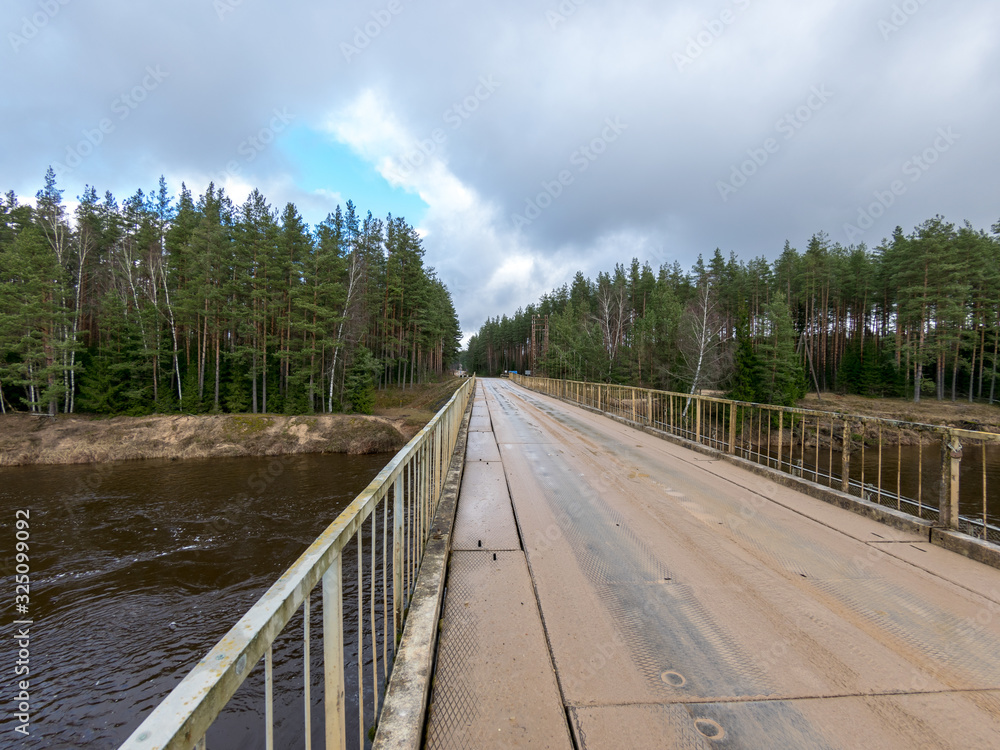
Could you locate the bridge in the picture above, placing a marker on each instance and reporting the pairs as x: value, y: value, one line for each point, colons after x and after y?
x: 587, y: 584
x: 608, y: 589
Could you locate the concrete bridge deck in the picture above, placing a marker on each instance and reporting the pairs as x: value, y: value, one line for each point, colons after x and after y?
x: 607, y: 589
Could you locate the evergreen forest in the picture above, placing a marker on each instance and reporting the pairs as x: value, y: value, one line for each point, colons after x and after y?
x: 180, y: 304
x: 916, y: 316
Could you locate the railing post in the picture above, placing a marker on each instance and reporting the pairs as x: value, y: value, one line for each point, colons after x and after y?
x: 431, y: 474
x: 397, y: 559
x: 951, y: 460
x: 732, y: 427
x: 425, y: 490
x: 598, y: 397
x: 781, y: 435
x: 697, y: 419
x: 439, y: 465
x: 333, y: 656
x: 269, y: 698
x: 649, y: 408
x: 845, y: 459
x: 633, y: 405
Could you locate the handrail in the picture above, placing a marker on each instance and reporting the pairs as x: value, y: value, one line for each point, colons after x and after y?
x: 802, y: 442
x: 414, y: 478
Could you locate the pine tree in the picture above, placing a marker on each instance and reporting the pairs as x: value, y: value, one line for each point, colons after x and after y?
x: 359, y: 388
x: 294, y: 249
x: 746, y: 367
x: 32, y: 318
x: 781, y: 377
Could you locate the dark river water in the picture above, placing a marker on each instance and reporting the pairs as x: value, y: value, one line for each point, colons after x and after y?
x: 139, y: 568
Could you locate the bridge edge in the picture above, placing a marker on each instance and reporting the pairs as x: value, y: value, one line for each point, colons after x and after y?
x: 404, y: 711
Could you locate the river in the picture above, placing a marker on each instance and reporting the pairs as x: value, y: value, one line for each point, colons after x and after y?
x: 139, y: 568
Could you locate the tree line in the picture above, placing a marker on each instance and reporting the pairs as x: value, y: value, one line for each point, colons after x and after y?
x: 167, y: 304
x: 918, y: 315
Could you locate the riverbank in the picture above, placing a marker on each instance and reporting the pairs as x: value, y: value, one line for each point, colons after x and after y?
x: 78, y: 439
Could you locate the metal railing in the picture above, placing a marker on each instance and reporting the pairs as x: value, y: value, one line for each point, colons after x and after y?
x: 859, y: 455
x: 408, y: 490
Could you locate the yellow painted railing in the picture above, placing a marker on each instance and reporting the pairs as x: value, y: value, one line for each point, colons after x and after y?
x: 857, y: 454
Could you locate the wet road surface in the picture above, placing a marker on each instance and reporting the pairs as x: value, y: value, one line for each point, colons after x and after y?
x: 657, y: 597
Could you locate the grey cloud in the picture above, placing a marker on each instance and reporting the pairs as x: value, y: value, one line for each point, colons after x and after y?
x: 895, y: 80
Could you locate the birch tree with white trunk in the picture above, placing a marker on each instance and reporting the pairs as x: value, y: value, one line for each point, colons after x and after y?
x: 705, y: 354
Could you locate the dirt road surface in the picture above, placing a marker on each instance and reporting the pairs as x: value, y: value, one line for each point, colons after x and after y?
x: 655, y: 597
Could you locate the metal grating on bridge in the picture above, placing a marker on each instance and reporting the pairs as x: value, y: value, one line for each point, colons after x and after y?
x: 492, y: 635
x: 492, y: 640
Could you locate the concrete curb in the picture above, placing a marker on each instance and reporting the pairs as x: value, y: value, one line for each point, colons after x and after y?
x: 401, y: 723
x: 971, y: 547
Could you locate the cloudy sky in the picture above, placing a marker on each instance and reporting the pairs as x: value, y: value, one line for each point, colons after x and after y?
x: 526, y: 140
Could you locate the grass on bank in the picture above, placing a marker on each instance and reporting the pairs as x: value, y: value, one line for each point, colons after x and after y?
x: 415, y: 406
